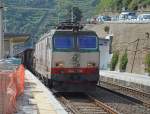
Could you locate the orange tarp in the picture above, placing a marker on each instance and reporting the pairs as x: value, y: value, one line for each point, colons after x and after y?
x: 11, y: 86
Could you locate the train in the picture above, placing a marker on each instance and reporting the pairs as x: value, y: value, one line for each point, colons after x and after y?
x: 67, y: 58
x: 27, y: 58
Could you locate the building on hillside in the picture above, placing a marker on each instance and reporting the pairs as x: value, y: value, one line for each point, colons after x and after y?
x: 13, y: 43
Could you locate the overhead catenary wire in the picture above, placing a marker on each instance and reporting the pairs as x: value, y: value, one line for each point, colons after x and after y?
x: 119, y: 45
x: 137, y: 48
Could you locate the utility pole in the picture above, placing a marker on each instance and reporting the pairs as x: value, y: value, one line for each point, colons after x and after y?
x: 148, y: 39
x: 58, y: 20
x: 72, y: 14
x: 135, y: 54
x: 5, y: 26
x: 1, y: 31
x: 59, y: 9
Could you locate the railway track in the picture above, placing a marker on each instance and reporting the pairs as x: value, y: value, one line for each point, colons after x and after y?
x: 84, y: 104
x: 141, y: 96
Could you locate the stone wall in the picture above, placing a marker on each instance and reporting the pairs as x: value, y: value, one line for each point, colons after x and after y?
x: 131, y: 37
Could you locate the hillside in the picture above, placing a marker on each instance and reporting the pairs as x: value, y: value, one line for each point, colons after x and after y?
x: 38, y: 16
x: 117, y: 5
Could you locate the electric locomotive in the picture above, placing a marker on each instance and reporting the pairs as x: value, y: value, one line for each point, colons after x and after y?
x: 67, y: 58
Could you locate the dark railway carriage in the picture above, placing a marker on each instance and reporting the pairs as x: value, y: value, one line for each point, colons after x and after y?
x: 27, y: 58
x: 68, y: 59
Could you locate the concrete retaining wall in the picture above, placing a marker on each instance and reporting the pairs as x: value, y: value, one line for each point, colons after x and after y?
x: 125, y: 37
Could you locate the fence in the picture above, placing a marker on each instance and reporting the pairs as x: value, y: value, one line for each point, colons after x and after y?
x: 11, y: 85
x: 126, y: 21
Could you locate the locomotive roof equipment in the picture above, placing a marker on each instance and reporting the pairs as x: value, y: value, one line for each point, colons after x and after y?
x: 70, y: 26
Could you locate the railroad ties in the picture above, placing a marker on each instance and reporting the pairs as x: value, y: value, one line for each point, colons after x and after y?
x: 141, y: 96
x: 84, y: 104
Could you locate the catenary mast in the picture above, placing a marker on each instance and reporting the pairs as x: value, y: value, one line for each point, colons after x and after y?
x: 1, y: 31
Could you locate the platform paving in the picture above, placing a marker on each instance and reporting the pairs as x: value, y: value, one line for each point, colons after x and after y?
x: 129, y: 77
x: 135, y: 81
x: 37, y: 99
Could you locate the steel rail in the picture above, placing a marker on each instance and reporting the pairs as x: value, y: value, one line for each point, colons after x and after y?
x: 93, y: 106
x: 133, y: 93
x: 104, y: 106
x: 69, y: 105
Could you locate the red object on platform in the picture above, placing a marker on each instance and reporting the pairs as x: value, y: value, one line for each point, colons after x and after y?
x: 8, y: 92
x: 11, y: 85
x: 20, y: 79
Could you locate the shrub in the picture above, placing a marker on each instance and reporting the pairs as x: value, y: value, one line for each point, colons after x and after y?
x: 123, y: 62
x: 114, y: 61
x: 147, y: 63
x: 107, y: 29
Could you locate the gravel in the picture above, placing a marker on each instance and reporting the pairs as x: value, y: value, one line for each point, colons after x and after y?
x: 121, y: 104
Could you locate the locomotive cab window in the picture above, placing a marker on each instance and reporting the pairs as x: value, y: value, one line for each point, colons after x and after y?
x: 87, y: 42
x: 63, y: 42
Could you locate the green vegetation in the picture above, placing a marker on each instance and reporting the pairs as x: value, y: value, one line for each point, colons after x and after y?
x: 147, y: 63
x: 21, y: 17
x: 21, y: 21
x: 107, y: 29
x: 123, y: 62
x: 117, y: 5
x: 77, y: 14
x: 114, y: 61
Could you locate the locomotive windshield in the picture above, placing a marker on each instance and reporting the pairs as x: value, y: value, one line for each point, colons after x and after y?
x: 63, y: 42
x: 87, y: 42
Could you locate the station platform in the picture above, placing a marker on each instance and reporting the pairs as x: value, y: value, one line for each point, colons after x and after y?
x: 135, y: 81
x: 37, y: 99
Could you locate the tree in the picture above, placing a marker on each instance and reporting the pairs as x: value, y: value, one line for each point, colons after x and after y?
x: 117, y: 5
x: 125, y: 3
x: 123, y: 62
x: 107, y: 29
x: 134, y: 4
x: 103, y: 5
x: 114, y: 60
x: 75, y: 13
x: 147, y: 63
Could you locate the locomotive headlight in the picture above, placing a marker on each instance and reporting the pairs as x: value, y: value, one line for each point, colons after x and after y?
x: 59, y: 64
x: 91, y: 64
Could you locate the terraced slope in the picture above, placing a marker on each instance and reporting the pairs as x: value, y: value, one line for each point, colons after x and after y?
x: 37, y: 16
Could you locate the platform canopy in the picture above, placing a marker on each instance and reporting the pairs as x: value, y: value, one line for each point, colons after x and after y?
x: 13, y: 42
x: 16, y: 37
